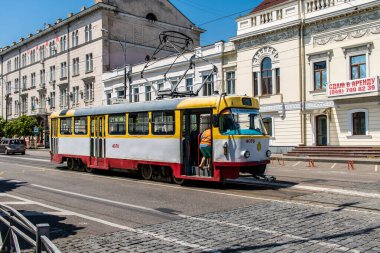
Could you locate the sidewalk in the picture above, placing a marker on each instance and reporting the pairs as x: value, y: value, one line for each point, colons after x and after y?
x: 38, y: 152
x: 326, y: 159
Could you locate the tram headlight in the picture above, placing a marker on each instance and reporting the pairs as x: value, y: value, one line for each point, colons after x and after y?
x: 246, y: 154
x: 269, y: 153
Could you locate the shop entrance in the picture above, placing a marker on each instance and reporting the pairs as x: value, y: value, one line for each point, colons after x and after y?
x: 321, y: 130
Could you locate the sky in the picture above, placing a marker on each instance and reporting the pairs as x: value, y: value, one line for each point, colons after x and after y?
x: 20, y: 17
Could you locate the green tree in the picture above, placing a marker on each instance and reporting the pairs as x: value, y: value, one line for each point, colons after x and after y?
x: 2, y: 126
x: 25, y: 125
x: 11, y: 129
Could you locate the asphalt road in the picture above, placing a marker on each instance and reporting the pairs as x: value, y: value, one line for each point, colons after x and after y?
x: 322, y: 209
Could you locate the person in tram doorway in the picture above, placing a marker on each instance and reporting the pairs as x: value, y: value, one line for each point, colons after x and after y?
x: 205, y: 147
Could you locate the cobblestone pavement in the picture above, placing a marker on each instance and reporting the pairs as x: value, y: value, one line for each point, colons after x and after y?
x: 263, y: 227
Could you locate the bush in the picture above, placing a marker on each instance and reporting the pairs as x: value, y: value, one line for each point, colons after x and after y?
x: 20, y: 127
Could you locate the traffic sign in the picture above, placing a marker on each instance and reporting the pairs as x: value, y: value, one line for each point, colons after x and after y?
x: 36, y: 130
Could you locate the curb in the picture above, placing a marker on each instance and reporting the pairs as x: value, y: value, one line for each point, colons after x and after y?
x: 328, y: 159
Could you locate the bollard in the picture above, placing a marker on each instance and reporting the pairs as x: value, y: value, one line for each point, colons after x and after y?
x: 350, y: 165
x: 311, y: 163
x: 42, y: 230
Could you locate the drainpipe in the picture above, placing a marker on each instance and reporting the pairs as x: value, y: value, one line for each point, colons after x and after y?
x: 302, y: 72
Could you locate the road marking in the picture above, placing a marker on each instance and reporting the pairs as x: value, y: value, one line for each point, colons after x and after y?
x: 375, y: 168
x: 29, y: 159
x: 276, y: 233
x: 101, y: 221
x: 16, y: 203
x: 101, y: 199
x: 310, y: 188
x: 332, y: 167
x: 294, y: 165
x: 316, y: 189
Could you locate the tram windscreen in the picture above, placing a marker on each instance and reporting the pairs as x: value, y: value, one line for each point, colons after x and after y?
x: 241, y: 122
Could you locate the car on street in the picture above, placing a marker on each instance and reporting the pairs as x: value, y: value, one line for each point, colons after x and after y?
x: 12, y: 146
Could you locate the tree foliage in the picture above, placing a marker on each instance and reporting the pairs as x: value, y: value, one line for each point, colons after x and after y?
x: 2, y: 126
x: 20, y: 127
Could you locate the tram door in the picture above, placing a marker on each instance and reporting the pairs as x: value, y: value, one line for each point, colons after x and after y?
x: 54, y: 136
x: 194, y: 123
x: 97, y: 145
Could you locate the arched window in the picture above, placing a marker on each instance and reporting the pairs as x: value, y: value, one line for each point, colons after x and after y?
x: 266, y: 76
x: 151, y: 17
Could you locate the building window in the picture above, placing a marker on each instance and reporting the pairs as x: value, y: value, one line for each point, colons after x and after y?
x: 17, y: 85
x: 255, y: 84
x: 52, y: 49
x: 8, y: 88
x: 24, y: 105
x: 16, y: 108
x: 9, y: 107
x: 75, y: 95
x: 108, y: 98
x: 136, y: 95
x: 89, y: 91
x: 208, y: 87
x: 24, y: 82
x: 63, y: 97
x: 33, y: 104
x: 42, y: 76
x: 89, y: 63
x: 75, y: 39
x: 160, y: 86
x: 120, y: 94
x: 42, y: 53
x: 320, y: 75
x: 358, y: 67
x: 17, y: 63
x: 75, y: 66
x: 32, y: 56
x: 266, y: 77
x: 230, y: 79
x: 88, y: 33
x: 117, y: 124
x: 358, y: 122
x: 52, y: 100
x: 189, y: 84
x: 278, y: 81
x: 23, y: 60
x: 148, y: 93
x: 33, y: 80
x: 62, y: 43
x: 9, y: 66
x: 63, y: 70
x: 268, y: 123
x: 52, y: 73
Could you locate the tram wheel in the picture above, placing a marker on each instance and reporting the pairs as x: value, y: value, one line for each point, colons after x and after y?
x: 178, y: 181
x: 146, y: 171
x: 260, y: 170
x: 70, y: 163
x: 88, y: 169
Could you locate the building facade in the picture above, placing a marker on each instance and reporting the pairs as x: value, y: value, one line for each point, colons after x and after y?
x: 61, y: 66
x: 313, y: 65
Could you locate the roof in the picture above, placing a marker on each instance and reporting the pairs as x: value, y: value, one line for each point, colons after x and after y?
x: 266, y: 4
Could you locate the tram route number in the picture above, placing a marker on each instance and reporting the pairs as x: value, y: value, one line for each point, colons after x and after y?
x: 115, y: 146
x: 250, y: 141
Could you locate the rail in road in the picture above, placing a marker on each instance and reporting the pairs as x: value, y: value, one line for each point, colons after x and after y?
x: 302, y: 212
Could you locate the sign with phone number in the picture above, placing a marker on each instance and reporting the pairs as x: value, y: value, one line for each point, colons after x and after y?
x: 353, y: 87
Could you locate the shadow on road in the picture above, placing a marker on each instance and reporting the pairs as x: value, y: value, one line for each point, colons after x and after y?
x: 7, y: 185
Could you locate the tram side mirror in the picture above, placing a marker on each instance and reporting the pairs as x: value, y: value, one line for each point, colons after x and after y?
x: 215, y: 120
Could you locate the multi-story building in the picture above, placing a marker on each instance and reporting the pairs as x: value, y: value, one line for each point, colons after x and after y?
x: 313, y: 65
x: 210, y: 67
x: 61, y: 66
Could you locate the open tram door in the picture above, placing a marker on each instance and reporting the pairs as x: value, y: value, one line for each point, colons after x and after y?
x: 97, y: 142
x: 195, y: 121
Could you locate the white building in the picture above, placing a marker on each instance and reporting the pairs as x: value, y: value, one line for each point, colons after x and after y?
x: 313, y: 65
x: 61, y: 66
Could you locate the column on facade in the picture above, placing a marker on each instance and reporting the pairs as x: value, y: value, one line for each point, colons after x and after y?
x: 259, y: 93
x: 274, y: 81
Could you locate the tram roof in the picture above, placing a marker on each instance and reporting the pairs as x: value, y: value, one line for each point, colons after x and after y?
x: 156, y: 105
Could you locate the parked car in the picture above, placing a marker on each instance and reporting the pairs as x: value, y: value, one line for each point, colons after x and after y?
x: 12, y: 146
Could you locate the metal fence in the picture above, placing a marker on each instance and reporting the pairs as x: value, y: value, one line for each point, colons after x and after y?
x: 19, y: 227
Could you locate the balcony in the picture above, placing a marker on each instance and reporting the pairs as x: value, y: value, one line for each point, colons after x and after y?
x: 366, y: 87
x: 41, y: 111
x: 316, y: 5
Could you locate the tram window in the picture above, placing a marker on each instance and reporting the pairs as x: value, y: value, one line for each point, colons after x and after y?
x: 66, y: 126
x: 116, y: 125
x: 138, y: 123
x: 163, y: 123
x: 80, y: 126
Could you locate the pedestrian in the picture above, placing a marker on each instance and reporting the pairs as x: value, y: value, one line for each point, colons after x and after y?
x: 205, y: 147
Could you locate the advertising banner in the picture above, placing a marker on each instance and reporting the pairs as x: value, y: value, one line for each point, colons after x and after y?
x: 352, y: 87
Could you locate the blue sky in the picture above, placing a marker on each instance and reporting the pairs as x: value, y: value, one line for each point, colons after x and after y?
x: 20, y: 17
